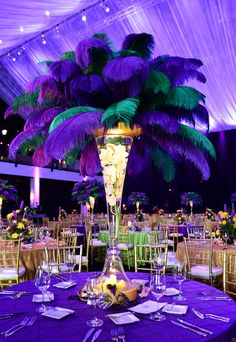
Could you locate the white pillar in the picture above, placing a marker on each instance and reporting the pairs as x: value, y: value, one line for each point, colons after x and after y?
x: 35, y: 188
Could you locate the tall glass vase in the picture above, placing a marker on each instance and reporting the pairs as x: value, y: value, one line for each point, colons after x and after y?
x: 114, y: 152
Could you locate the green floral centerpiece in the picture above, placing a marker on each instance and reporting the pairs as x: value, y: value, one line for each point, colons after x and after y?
x: 19, y: 227
x: 227, y: 227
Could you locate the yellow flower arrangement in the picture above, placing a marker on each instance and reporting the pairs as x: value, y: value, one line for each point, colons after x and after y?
x: 18, y: 226
x: 227, y: 226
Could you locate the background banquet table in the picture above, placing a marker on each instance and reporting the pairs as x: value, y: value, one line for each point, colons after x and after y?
x: 73, y: 328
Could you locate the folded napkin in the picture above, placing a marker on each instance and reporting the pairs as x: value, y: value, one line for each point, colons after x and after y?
x: 147, y: 307
x: 48, y: 297
x: 57, y: 312
x: 175, y: 309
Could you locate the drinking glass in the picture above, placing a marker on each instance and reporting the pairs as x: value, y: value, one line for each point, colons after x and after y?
x: 159, y: 263
x: 225, y: 238
x: 70, y: 262
x: 179, y: 273
x: 42, y: 282
x: 94, y: 292
x: 158, y: 286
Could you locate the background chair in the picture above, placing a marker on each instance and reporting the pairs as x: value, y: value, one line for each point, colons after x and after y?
x: 124, y: 246
x: 229, y: 273
x: 10, y: 271
x: 144, y: 255
x: 199, y: 259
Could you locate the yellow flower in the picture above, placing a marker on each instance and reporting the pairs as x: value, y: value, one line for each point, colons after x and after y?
x: 18, y: 211
x: 224, y: 222
x: 9, y: 216
x: 20, y: 225
x: 217, y: 232
x: 15, y: 236
x: 25, y: 220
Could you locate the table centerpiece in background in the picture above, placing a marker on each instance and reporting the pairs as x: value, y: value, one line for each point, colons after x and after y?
x: 7, y: 193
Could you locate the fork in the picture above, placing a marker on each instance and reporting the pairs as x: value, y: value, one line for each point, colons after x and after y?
x: 25, y: 320
x: 27, y: 324
x: 121, y: 333
x: 18, y: 295
x: 114, y: 335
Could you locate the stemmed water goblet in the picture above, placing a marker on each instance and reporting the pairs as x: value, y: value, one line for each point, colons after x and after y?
x: 179, y: 272
x: 94, y: 292
x: 70, y: 260
x: 225, y: 238
x: 42, y: 282
x: 159, y: 263
x: 158, y: 286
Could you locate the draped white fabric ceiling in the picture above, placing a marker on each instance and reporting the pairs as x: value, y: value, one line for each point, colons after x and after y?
x: 203, y: 29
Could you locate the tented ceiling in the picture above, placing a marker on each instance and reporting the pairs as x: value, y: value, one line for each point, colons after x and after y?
x: 204, y: 29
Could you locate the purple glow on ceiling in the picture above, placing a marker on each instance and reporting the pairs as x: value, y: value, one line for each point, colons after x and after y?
x: 187, y: 28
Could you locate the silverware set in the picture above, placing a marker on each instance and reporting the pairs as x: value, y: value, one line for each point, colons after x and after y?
x: 13, y: 294
x: 118, y: 334
x: 26, y: 322
x: 209, y: 315
x: 10, y: 315
x: 90, y: 332
x: 192, y: 327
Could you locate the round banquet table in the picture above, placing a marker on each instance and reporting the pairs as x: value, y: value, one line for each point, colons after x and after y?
x: 73, y: 327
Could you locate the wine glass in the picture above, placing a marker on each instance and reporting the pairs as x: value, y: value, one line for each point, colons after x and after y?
x: 225, y: 238
x: 158, y: 286
x: 179, y: 273
x: 159, y: 263
x: 42, y: 282
x: 70, y: 262
x: 94, y: 292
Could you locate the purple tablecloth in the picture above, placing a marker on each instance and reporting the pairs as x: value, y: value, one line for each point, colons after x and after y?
x: 74, y: 327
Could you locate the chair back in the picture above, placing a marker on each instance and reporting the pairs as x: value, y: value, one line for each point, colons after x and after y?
x: 229, y: 272
x: 69, y: 236
x: 196, y: 231
x: 9, y: 258
x: 144, y: 255
x: 56, y: 258
x: 199, y: 252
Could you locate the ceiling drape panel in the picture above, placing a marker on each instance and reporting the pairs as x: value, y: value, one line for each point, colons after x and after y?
x: 189, y: 28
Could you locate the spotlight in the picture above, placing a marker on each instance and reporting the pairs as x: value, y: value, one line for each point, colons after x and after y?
x: 13, y: 59
x: 84, y: 16
x: 4, y: 131
x: 21, y: 29
x: 57, y: 31
x: 0, y: 41
x: 47, y: 13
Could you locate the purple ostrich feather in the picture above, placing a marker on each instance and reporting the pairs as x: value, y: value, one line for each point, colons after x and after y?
x: 89, y: 160
x: 20, y: 139
x: 61, y: 71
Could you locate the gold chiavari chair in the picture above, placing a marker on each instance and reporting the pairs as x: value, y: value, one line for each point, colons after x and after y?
x: 229, y: 272
x: 85, y: 258
x: 45, y: 221
x: 94, y: 243
x: 56, y: 258
x: 199, y: 254
x: 125, y: 246
x: 10, y: 271
x: 69, y: 236
x: 144, y: 255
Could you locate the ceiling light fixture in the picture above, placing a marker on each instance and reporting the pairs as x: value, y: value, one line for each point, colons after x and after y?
x: 47, y: 13
x: 21, y: 29
x: 44, y: 42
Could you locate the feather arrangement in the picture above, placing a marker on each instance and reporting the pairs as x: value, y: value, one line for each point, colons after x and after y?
x: 99, y: 87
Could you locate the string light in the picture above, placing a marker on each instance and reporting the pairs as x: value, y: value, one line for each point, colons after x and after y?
x: 84, y: 16
x: 83, y: 13
x: 44, y: 42
x: 104, y: 6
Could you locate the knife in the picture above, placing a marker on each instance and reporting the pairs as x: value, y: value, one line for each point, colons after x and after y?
x: 96, y: 335
x: 215, y: 298
x: 88, y: 334
x: 195, y: 326
x: 189, y: 328
x: 5, y: 316
x: 4, y: 292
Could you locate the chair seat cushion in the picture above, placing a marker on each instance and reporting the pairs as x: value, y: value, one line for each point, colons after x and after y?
x: 176, y: 234
x: 125, y: 246
x: 10, y: 272
x: 62, y: 268
x: 97, y: 243
x: 84, y: 259
x: 202, y: 271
